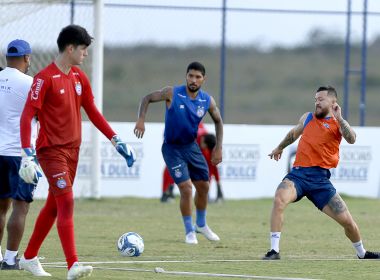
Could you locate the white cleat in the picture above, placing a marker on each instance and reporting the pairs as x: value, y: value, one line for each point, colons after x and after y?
x: 33, y: 265
x: 207, y: 232
x: 191, y: 238
x: 79, y: 271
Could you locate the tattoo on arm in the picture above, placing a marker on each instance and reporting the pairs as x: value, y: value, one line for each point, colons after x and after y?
x: 337, y: 204
x: 293, y: 134
x: 347, y: 131
x: 289, y: 139
x: 216, y: 117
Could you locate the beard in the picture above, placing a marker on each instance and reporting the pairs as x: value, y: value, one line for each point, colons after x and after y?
x: 193, y: 88
x: 321, y: 113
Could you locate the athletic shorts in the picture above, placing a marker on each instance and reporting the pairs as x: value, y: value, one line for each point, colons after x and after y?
x: 59, y: 165
x: 312, y: 182
x: 185, y: 162
x: 11, y: 185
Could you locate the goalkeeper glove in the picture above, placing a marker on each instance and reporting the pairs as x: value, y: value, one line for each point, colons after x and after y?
x: 29, y: 171
x: 124, y: 149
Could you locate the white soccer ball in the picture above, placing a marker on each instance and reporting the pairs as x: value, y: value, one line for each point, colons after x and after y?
x: 130, y: 244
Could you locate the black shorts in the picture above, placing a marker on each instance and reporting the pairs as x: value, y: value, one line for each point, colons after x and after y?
x: 11, y: 185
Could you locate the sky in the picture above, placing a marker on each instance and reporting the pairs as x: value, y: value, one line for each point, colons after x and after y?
x: 164, y: 26
x: 175, y: 27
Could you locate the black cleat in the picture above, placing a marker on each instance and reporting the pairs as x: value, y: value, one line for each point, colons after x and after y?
x: 5, y: 266
x: 370, y: 255
x: 272, y: 255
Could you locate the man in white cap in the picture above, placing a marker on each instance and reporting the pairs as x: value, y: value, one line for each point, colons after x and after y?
x: 14, y: 88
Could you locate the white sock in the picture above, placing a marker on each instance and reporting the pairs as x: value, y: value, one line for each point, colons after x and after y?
x: 275, y: 241
x: 1, y: 255
x: 10, y: 257
x: 360, y: 251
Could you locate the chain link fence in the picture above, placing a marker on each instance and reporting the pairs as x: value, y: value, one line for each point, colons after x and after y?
x: 270, y: 77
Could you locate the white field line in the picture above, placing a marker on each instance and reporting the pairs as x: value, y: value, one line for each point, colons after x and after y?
x: 190, y: 273
x: 197, y: 261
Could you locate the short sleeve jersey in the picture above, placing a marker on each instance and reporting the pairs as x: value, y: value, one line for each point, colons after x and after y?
x: 14, y: 88
x: 58, y: 98
x: 183, y: 116
x: 319, y: 143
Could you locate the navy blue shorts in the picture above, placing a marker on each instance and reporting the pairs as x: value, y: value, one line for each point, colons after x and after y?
x: 11, y: 185
x: 185, y: 162
x: 312, y: 182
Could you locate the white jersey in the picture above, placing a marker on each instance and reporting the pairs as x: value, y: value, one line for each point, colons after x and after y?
x: 14, y: 89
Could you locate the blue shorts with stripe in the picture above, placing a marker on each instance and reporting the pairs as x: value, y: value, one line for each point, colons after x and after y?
x: 185, y: 162
x: 11, y: 185
x: 314, y: 183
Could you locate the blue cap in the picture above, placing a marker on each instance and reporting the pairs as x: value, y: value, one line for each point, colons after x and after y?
x: 18, y: 48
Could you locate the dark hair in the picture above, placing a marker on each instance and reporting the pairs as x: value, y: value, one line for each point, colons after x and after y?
x: 330, y: 90
x: 197, y: 66
x: 73, y: 35
x: 210, y: 140
x: 1, y: 68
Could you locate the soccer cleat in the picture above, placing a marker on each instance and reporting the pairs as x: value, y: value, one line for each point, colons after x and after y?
x: 5, y: 266
x: 79, y: 271
x: 34, y: 266
x: 207, y: 232
x: 272, y: 255
x: 370, y: 255
x: 191, y: 238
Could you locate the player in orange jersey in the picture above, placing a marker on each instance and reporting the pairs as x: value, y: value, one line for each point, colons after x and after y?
x: 318, y: 150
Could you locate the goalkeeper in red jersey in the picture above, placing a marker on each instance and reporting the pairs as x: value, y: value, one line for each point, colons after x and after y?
x: 57, y: 94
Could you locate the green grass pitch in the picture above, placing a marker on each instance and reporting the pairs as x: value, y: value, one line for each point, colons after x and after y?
x: 312, y: 245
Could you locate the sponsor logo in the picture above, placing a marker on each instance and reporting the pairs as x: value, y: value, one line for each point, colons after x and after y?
x: 326, y: 125
x: 56, y: 76
x: 36, y: 88
x: 78, y: 88
x: 180, y: 95
x: 61, y: 183
x: 202, y: 100
x: 182, y: 106
x: 177, y: 173
x: 200, y: 112
x: 59, y: 174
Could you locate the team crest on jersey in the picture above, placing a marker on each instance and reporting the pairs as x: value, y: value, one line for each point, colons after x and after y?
x: 200, y: 111
x: 61, y: 183
x: 78, y: 88
x: 177, y: 173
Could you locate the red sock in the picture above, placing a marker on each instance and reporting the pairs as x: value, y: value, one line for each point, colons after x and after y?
x: 44, y: 222
x: 65, y: 226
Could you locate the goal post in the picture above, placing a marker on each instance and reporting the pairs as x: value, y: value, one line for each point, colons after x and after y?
x: 39, y: 23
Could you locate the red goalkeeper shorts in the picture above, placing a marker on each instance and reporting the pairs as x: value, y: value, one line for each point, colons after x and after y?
x: 59, y: 166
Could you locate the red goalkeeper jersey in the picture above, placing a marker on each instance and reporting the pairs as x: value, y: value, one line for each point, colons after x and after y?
x: 56, y: 98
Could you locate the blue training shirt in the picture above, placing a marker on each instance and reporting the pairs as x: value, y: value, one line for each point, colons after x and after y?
x: 183, y: 116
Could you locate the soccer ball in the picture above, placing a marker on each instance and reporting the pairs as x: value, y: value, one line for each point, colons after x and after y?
x: 130, y: 244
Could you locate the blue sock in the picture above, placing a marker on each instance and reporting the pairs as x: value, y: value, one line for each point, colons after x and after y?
x: 188, y: 222
x: 201, y: 218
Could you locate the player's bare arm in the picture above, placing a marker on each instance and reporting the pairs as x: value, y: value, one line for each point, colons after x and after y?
x: 214, y: 112
x: 165, y: 94
x: 290, y: 138
x: 345, y: 129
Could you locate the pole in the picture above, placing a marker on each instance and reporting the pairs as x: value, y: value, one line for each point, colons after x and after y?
x: 364, y: 67
x: 346, y: 88
x: 97, y: 85
x: 223, y: 59
x: 72, y: 11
